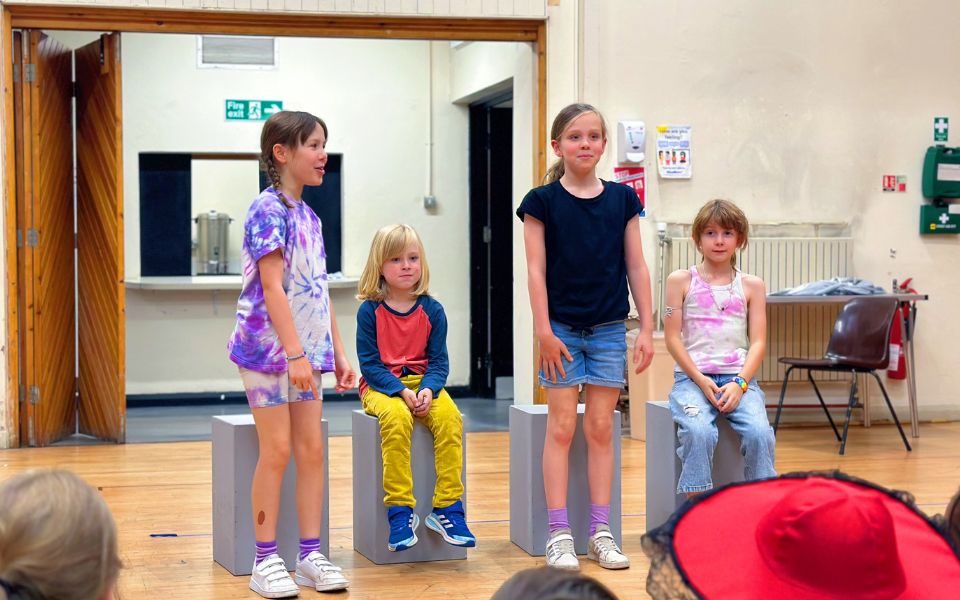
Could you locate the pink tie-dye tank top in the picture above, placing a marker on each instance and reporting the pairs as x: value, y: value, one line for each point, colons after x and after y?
x: 714, y: 329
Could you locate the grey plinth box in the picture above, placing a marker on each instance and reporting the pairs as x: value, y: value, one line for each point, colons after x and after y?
x: 528, y: 503
x: 663, y: 464
x: 235, y: 453
x: 371, y: 530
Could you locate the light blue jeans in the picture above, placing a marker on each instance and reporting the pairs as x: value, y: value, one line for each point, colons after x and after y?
x: 696, y: 419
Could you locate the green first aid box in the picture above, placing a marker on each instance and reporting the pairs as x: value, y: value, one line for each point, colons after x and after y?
x: 941, y: 173
x: 938, y: 219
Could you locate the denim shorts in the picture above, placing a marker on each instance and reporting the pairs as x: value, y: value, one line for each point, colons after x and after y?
x: 599, y: 355
x: 273, y: 389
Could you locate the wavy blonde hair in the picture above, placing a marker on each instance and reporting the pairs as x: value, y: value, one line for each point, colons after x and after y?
x: 727, y: 215
x: 57, y: 537
x: 389, y: 242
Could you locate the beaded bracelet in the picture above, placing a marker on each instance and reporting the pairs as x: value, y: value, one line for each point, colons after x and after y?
x: 741, y: 382
x: 292, y: 358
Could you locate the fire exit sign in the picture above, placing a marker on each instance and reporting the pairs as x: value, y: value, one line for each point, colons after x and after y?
x: 252, y: 110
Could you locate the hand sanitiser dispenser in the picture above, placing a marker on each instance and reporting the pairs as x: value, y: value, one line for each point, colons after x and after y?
x: 631, y: 142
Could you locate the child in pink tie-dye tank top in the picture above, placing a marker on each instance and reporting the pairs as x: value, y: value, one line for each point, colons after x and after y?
x: 715, y: 327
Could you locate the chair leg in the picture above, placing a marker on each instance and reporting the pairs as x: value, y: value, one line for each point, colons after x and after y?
x: 850, y: 403
x: 893, y: 413
x: 783, y: 390
x: 823, y: 404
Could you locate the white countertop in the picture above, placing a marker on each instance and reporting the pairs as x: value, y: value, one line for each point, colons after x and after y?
x: 213, y: 282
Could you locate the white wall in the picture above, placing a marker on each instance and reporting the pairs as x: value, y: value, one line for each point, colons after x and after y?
x: 797, y: 110
x: 176, y: 339
x: 374, y: 97
x: 480, y: 70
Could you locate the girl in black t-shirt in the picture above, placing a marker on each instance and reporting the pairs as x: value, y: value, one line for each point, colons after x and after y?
x: 582, y: 239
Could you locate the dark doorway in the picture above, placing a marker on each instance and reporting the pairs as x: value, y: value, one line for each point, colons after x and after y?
x: 491, y: 246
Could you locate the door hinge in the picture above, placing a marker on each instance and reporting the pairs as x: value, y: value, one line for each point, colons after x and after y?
x: 73, y: 89
x: 34, y: 394
x: 487, y: 234
x: 29, y: 72
x: 16, y: 73
x: 23, y: 393
x: 33, y: 238
x: 19, y: 238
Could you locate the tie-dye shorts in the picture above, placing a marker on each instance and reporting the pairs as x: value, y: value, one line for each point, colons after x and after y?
x: 274, y: 389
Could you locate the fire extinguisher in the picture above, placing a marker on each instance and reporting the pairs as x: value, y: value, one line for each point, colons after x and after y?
x: 897, y: 369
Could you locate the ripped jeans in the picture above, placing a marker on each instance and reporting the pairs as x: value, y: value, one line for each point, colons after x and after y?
x: 696, y: 419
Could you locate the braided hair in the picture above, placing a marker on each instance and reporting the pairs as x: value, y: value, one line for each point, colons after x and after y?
x: 288, y: 128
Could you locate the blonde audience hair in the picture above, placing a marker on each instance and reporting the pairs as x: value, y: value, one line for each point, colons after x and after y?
x: 390, y: 242
x: 727, y: 215
x: 58, y: 539
x: 560, y: 123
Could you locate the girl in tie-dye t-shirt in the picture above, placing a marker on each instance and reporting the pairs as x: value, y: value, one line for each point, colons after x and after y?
x: 286, y: 336
x: 715, y: 327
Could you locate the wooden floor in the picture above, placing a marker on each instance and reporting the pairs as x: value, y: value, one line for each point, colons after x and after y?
x: 165, y: 488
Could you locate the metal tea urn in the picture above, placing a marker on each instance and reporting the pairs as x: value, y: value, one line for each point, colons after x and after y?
x: 213, y: 235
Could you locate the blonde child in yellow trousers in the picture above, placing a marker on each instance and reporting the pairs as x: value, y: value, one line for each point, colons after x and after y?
x: 402, y: 348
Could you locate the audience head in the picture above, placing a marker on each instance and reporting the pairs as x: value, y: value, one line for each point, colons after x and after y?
x: 57, y: 539
x: 552, y: 584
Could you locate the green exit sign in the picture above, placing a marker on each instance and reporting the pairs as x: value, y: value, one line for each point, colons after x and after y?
x: 252, y: 110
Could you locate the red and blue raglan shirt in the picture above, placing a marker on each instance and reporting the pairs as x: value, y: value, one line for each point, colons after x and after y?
x: 391, y: 345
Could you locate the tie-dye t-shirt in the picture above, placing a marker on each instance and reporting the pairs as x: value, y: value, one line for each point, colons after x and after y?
x: 296, y: 230
x: 714, y: 330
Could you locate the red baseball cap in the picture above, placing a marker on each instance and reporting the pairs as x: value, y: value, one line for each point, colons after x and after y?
x: 811, y: 537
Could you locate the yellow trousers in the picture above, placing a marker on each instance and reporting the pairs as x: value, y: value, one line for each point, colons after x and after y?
x: 396, y: 433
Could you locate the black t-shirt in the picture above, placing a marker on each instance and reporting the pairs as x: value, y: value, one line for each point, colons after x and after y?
x: 584, y: 239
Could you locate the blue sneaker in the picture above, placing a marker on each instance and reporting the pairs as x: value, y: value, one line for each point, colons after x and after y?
x: 403, y: 525
x: 451, y: 524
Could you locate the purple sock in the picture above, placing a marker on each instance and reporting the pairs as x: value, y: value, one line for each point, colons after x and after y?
x: 557, y: 519
x: 308, y: 545
x: 265, y: 549
x: 599, y: 515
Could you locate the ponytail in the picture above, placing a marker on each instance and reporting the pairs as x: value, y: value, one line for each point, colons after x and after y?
x: 560, y: 123
x: 554, y: 173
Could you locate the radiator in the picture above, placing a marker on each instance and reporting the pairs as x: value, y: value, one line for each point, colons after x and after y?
x: 782, y: 263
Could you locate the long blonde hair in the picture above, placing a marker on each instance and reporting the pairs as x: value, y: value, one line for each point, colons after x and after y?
x: 57, y: 537
x: 389, y: 242
x: 560, y: 124
x: 727, y: 215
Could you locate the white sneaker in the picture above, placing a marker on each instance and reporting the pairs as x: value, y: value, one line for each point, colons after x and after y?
x: 560, y: 551
x: 271, y: 580
x: 603, y: 549
x: 317, y: 572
